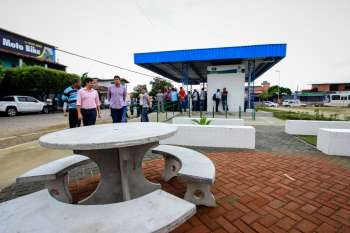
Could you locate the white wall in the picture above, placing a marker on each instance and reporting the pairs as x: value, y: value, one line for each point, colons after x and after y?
x: 234, y: 83
x: 303, y: 127
x: 334, y: 141
x: 216, y: 136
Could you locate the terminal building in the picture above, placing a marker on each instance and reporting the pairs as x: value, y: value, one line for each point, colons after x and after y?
x: 228, y: 67
x: 18, y: 50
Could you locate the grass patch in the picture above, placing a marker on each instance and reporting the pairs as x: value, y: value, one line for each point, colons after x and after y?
x: 311, y: 139
x: 291, y: 115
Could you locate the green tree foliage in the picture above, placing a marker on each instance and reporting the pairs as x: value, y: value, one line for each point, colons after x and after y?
x: 159, y: 84
x: 264, y: 95
x: 272, y: 92
x: 137, y: 90
x: 1, y: 74
x: 35, y: 80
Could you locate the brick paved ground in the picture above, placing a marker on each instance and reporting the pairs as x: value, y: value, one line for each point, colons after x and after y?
x: 262, y: 192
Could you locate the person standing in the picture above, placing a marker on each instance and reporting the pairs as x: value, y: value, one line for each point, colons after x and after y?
x: 116, y: 96
x: 182, y: 99
x: 217, y: 99
x: 88, y: 103
x: 224, y: 99
x: 160, y: 100
x: 202, y: 97
x: 145, y: 106
x: 70, y: 100
x: 195, y: 100
x: 174, y: 99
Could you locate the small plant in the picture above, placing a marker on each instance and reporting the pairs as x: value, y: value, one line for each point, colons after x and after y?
x: 202, y: 121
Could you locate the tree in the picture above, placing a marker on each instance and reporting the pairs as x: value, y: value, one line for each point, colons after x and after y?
x: 264, y: 95
x: 137, y: 90
x: 1, y: 74
x: 273, y: 91
x: 35, y: 80
x: 159, y: 84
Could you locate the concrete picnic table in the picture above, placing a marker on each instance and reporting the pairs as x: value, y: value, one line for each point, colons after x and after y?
x: 118, y: 150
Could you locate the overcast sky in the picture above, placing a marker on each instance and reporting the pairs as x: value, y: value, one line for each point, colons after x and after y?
x: 317, y: 32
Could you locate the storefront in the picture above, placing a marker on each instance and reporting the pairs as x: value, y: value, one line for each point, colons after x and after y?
x: 17, y: 51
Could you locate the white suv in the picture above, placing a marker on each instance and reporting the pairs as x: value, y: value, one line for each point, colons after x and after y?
x: 11, y: 105
x: 293, y: 103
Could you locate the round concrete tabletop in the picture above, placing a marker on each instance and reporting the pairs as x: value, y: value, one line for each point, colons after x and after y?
x: 108, y: 136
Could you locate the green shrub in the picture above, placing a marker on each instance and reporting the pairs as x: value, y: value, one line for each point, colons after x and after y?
x: 202, y: 121
x: 35, y: 80
x: 290, y: 115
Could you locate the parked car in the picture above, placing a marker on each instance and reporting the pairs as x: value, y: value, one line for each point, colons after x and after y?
x: 270, y: 104
x: 11, y: 105
x: 293, y: 103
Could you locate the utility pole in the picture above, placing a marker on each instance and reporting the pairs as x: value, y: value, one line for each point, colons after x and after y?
x: 279, y: 84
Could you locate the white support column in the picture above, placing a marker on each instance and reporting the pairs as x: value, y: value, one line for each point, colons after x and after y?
x: 233, y: 78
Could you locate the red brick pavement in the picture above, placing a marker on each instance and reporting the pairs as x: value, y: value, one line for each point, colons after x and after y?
x: 262, y: 192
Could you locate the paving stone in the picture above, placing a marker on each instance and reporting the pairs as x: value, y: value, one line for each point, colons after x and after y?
x: 246, y: 204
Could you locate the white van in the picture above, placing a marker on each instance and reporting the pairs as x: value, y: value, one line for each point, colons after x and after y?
x: 338, y: 99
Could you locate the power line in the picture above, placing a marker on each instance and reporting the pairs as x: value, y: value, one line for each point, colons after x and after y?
x: 105, y: 63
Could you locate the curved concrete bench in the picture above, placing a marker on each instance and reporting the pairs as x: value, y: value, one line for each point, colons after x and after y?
x: 214, y: 121
x: 217, y: 136
x: 55, y: 175
x: 304, y: 127
x: 158, y: 211
x: 196, y: 169
x: 334, y: 141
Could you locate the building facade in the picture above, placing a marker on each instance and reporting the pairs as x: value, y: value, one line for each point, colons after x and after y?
x: 326, y: 87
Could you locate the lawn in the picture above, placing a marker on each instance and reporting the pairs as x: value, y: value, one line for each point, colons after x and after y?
x: 311, y: 139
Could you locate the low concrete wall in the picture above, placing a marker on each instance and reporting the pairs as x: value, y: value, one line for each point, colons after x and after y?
x: 213, y: 136
x: 214, y: 121
x: 334, y: 141
x: 302, y: 127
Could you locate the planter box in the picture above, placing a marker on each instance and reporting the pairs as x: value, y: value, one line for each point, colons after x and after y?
x: 214, y: 121
x: 218, y: 136
x: 302, y: 127
x: 334, y: 141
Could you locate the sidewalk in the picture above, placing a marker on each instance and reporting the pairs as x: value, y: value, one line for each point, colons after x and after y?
x: 19, y: 158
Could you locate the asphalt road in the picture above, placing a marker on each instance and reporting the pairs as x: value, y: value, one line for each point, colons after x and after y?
x: 29, y: 123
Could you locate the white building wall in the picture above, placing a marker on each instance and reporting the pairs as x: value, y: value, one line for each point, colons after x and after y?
x: 224, y: 76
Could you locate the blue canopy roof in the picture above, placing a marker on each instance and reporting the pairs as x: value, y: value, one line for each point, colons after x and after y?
x: 170, y: 63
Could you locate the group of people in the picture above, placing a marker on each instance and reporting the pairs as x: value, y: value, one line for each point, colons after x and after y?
x: 84, y: 103
x: 180, y: 100
x: 220, y: 97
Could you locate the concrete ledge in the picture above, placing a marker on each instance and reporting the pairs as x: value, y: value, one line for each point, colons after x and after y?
x: 217, y: 136
x: 303, y: 127
x: 334, y: 141
x: 214, y: 121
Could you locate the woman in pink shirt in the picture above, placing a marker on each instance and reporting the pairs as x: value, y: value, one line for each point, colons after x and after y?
x: 88, y: 103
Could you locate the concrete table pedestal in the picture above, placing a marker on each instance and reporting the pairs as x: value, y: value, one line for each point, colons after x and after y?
x: 118, y: 151
x: 122, y: 178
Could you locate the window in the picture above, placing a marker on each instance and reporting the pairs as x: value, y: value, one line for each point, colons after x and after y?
x: 335, y: 97
x: 8, y: 99
x: 343, y: 97
x: 22, y: 99
x: 31, y: 99
x: 334, y: 87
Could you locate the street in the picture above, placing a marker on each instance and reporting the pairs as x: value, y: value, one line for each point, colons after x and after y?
x: 29, y: 123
